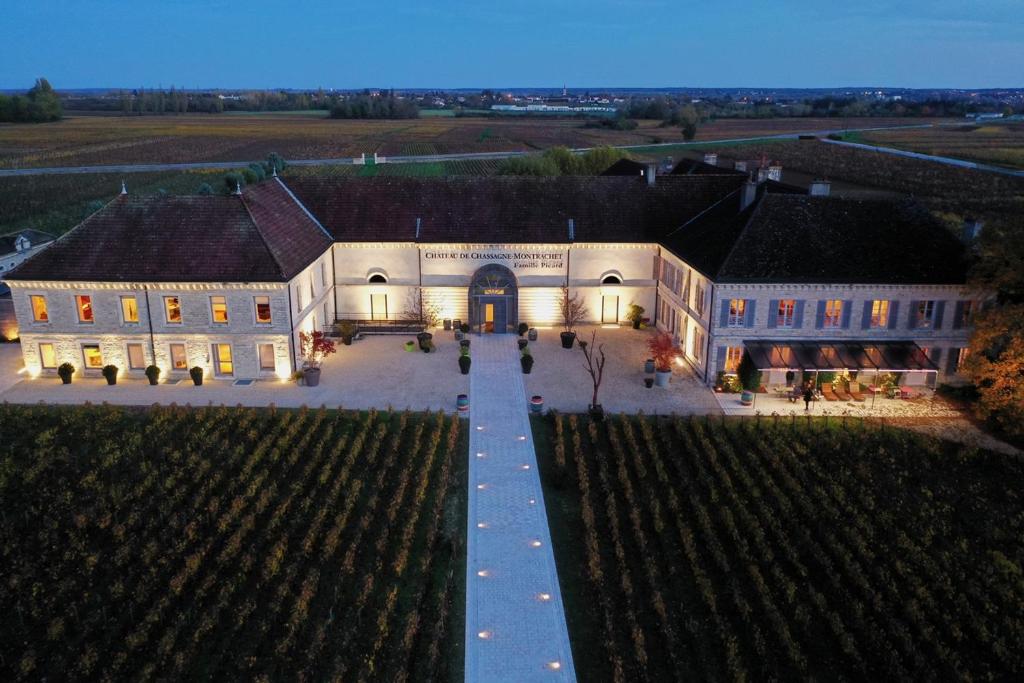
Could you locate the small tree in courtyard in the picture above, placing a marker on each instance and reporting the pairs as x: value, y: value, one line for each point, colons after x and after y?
x: 314, y: 347
x: 572, y: 308
x: 594, y: 353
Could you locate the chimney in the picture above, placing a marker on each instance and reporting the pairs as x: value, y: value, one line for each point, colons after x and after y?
x: 748, y: 194
x: 238, y: 189
x: 572, y: 230
x: 651, y: 173
x: 711, y: 158
x: 124, y: 188
x: 820, y: 188
x: 971, y: 230
x: 775, y: 172
x: 740, y: 165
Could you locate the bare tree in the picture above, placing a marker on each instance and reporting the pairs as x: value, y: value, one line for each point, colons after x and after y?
x: 572, y: 308
x: 595, y: 365
x: 418, y: 309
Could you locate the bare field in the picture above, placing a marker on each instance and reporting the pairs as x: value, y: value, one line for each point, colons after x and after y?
x: 98, y: 140
x: 1000, y: 144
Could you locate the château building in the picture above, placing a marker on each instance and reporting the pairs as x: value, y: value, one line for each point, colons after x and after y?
x: 720, y: 262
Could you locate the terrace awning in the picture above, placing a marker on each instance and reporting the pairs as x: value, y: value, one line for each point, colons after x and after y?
x: 895, y: 356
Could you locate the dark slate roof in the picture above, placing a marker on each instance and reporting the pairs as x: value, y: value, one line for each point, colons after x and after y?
x: 35, y: 238
x: 293, y: 237
x: 159, y: 239
x: 797, y: 238
x: 626, y: 167
x: 501, y: 209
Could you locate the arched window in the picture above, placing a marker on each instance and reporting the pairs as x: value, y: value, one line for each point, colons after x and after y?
x: 611, y: 279
x: 377, y: 279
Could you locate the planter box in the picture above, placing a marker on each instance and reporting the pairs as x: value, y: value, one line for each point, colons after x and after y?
x: 662, y: 377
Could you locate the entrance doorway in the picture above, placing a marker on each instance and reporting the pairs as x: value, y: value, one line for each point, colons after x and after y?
x: 493, y: 300
x: 610, y: 309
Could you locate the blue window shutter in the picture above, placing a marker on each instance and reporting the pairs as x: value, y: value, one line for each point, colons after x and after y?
x: 773, y: 312
x: 951, y: 359
x: 936, y: 357
x: 819, y: 317
x: 798, y: 314
x: 748, y: 319
x: 911, y: 314
x: 894, y: 311
x: 845, y: 318
x: 958, y: 315
x: 940, y: 308
x: 725, y: 314
x: 865, y: 320
x: 720, y: 358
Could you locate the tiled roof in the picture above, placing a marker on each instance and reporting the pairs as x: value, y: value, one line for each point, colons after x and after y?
x: 293, y: 237
x: 502, y: 209
x: 159, y: 239
x: 35, y: 238
x: 797, y: 238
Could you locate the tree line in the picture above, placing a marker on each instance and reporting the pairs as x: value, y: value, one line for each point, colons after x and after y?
x: 562, y: 161
x: 39, y: 105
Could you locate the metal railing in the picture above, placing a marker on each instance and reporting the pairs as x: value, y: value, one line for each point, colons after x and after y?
x: 367, y: 326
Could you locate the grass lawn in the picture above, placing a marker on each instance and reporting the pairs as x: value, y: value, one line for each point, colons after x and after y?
x: 231, y: 544
x: 697, y: 550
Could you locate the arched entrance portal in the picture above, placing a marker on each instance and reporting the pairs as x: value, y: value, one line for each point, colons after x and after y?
x: 494, y: 299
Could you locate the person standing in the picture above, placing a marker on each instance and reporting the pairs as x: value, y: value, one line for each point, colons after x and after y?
x: 808, y: 396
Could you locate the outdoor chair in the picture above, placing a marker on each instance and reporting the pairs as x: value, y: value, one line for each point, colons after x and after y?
x: 840, y: 393
x: 854, y: 391
x: 828, y: 393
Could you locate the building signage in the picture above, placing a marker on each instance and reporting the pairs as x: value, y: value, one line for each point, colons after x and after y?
x: 516, y: 260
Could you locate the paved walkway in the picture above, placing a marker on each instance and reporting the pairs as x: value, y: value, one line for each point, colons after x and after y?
x: 515, y: 622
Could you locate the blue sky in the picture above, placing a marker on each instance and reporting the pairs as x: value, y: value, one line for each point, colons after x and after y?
x: 585, y: 43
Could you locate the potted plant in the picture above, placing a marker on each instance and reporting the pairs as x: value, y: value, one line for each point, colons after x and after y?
x: 464, y: 360
x: 595, y: 368
x: 314, y: 347
x: 664, y: 351
x: 424, y: 339
x: 526, y: 361
x: 648, y: 382
x: 649, y: 366
x: 750, y: 379
x: 635, y: 315
x: 573, y: 312
x: 196, y: 374
x: 537, y: 403
x: 153, y: 374
x: 410, y: 346
x: 346, y: 331
x: 521, y: 343
x: 532, y: 334
x: 110, y: 374
x: 464, y: 343
x: 65, y: 371
x: 523, y: 329
x: 464, y: 328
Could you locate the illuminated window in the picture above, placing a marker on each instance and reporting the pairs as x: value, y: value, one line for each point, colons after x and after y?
x: 222, y: 362
x: 698, y: 299
x: 179, y: 360
x: 47, y: 356
x: 879, y: 314
x: 262, y: 304
x: 84, y: 305
x: 961, y: 358
x: 92, y: 356
x: 39, y: 313
x: 733, y: 354
x: 924, y: 315
x: 219, y: 309
x: 785, y: 313
x: 129, y: 309
x: 378, y: 307
x: 833, y: 313
x: 136, y: 358
x: 737, y: 313
x: 267, y: 361
x: 172, y: 309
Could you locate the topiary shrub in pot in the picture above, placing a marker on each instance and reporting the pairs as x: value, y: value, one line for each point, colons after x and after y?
x: 110, y: 374
x: 750, y: 378
x: 65, y: 371
x: 526, y: 361
x: 196, y: 374
x: 523, y: 329
x: 522, y: 343
x: 153, y: 375
x: 464, y: 328
x: 635, y: 315
x: 464, y: 360
x: 346, y: 331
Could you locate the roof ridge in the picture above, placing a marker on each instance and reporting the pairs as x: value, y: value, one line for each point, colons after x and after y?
x: 263, y: 238
x: 703, y: 211
x: 303, y: 207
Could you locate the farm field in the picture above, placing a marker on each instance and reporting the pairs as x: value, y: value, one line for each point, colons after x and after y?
x: 1001, y: 145
x: 98, y: 140
x: 709, y: 550
x: 230, y: 544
